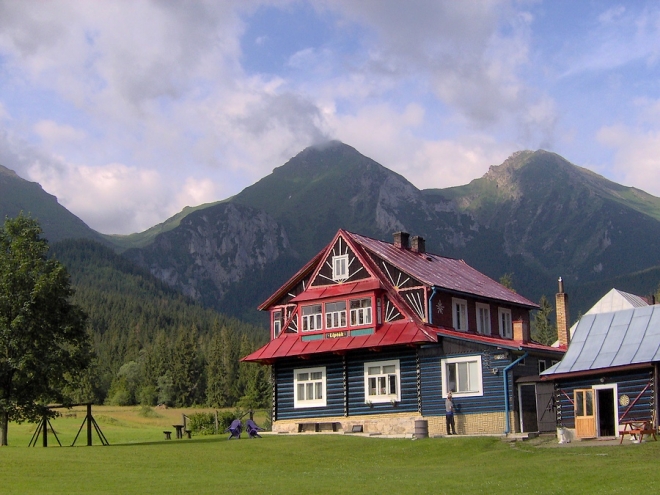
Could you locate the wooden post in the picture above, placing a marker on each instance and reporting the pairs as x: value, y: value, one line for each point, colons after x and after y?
x: 89, y: 425
x: 45, y: 431
x: 216, y: 422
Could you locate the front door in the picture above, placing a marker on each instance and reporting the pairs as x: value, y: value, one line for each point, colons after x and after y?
x: 585, y: 419
x: 527, y: 400
x: 606, y: 411
x: 545, y: 406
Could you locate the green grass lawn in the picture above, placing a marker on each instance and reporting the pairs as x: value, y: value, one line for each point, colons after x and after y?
x: 139, y: 460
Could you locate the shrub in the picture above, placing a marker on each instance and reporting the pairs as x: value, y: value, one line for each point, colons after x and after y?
x: 148, y: 412
x: 121, y: 397
x: 224, y: 420
x: 202, y: 423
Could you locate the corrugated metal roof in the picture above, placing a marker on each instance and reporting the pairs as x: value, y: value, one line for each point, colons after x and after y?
x: 447, y: 273
x: 605, y: 340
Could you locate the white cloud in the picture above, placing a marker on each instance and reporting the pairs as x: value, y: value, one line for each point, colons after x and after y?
x: 52, y: 133
x: 387, y: 136
x: 637, y: 156
x: 152, y: 96
x: 117, y: 198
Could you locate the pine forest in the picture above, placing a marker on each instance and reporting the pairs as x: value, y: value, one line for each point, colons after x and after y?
x: 154, y: 345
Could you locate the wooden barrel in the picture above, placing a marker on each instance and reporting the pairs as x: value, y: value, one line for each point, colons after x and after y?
x: 421, y: 428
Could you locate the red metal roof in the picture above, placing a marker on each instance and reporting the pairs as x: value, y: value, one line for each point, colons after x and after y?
x: 495, y: 341
x: 401, y: 332
x: 433, y: 270
x: 397, y: 333
x: 439, y: 271
x: 338, y: 290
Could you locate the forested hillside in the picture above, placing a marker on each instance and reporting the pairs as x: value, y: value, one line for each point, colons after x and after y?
x: 155, y: 345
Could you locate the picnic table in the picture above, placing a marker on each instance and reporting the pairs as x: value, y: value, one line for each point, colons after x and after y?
x: 179, y: 430
x: 638, y: 428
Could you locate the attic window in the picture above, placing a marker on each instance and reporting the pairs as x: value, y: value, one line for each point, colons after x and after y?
x: 340, y: 267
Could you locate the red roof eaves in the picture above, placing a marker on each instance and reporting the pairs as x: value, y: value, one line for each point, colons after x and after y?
x: 289, y: 345
x: 300, y: 274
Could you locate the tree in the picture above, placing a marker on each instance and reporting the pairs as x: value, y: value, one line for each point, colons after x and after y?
x: 507, y: 281
x: 543, y: 331
x: 44, y: 345
x: 186, y: 368
x: 215, y: 373
x: 254, y: 380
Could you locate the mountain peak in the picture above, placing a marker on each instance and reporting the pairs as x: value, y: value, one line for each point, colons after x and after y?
x: 8, y: 173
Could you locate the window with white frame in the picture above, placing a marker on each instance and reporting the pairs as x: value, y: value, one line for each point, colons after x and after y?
x: 459, y: 314
x: 312, y: 318
x: 309, y: 387
x: 379, y: 310
x: 277, y: 323
x: 340, y: 267
x: 462, y: 376
x: 335, y: 314
x: 483, y: 318
x: 504, y: 317
x: 381, y: 381
x: 543, y: 365
x: 361, y: 312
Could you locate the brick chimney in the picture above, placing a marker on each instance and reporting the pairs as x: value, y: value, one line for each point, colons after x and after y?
x: 418, y: 244
x: 401, y: 240
x: 561, y: 307
x: 521, y: 332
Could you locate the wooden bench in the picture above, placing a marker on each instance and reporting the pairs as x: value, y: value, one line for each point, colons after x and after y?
x: 168, y: 435
x: 637, y: 428
x: 317, y: 427
x: 187, y: 432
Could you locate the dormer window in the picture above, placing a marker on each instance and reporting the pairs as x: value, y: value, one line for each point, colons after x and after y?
x: 335, y: 314
x: 277, y: 323
x: 311, y: 318
x: 361, y: 312
x: 340, y: 268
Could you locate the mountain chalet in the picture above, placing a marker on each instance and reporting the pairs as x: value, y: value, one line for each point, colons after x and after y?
x: 371, y: 336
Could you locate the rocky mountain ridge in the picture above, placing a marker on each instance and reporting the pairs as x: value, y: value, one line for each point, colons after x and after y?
x: 536, y: 215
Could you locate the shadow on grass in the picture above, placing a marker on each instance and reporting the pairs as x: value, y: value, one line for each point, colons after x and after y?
x: 171, y: 443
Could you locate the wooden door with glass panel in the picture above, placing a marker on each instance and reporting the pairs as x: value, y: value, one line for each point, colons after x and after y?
x: 585, y: 418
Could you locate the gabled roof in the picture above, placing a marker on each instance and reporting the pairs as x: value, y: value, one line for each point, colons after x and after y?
x: 616, y: 300
x: 432, y: 270
x: 442, y: 272
x: 610, y: 340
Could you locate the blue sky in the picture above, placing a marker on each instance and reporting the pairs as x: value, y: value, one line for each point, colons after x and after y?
x: 129, y: 111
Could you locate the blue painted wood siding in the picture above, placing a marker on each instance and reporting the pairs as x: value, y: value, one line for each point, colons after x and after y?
x: 408, y: 369
x: 630, y: 384
x: 283, y: 372
x: 433, y: 404
x: 284, y: 388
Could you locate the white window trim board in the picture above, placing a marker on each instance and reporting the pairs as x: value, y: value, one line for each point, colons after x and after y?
x: 379, y: 399
x: 299, y: 404
x: 454, y: 302
x: 480, y: 382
